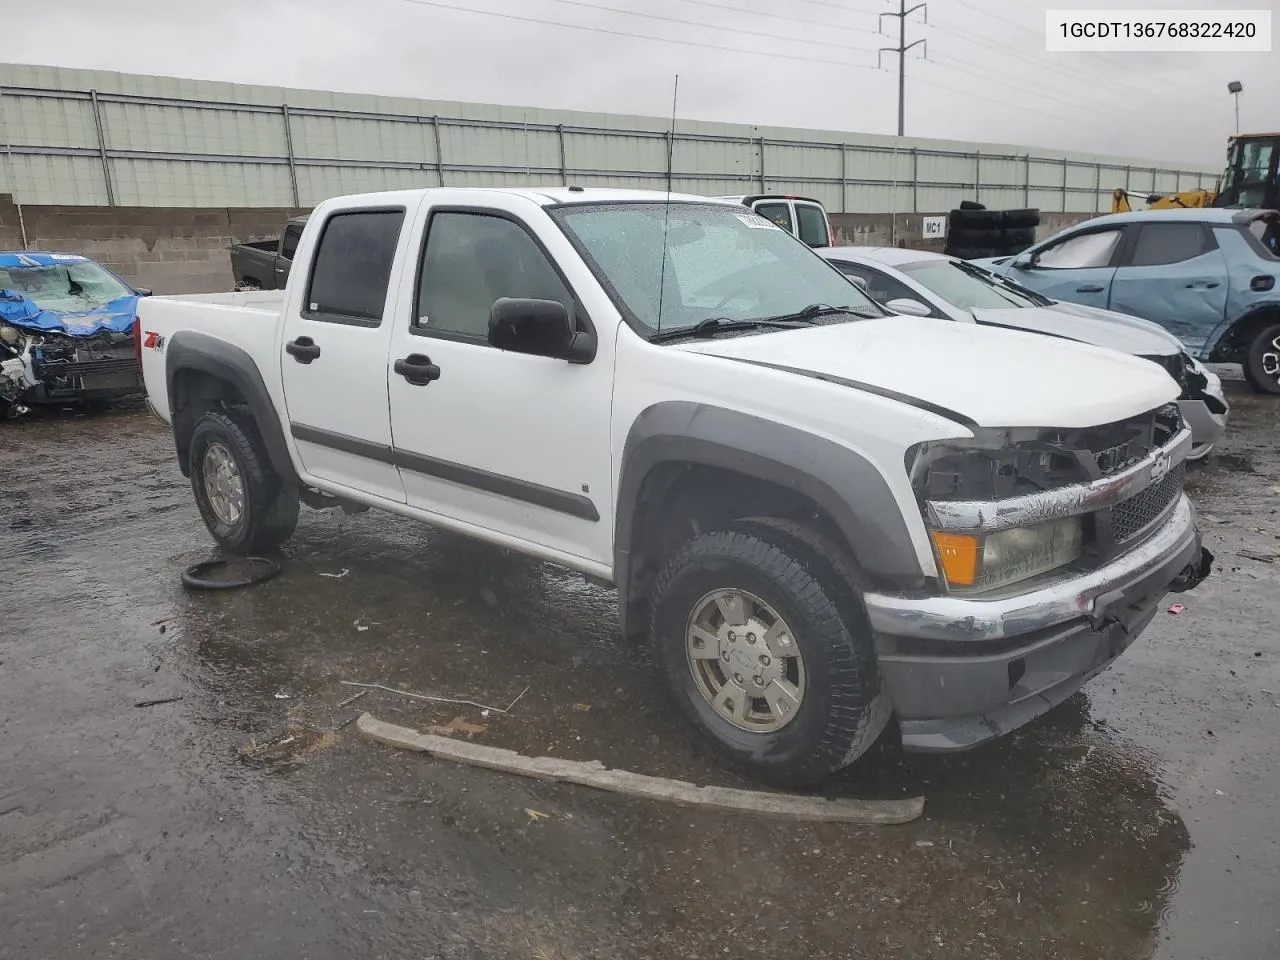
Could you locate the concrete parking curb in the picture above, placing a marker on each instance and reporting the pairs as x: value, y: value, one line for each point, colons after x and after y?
x: 594, y: 774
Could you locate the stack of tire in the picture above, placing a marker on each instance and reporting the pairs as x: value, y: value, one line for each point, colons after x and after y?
x: 974, y: 232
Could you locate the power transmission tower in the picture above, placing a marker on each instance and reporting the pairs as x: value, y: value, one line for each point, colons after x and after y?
x: 901, y: 50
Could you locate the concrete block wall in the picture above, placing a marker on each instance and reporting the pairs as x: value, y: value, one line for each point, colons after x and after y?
x: 166, y: 249
x: 905, y: 229
x: 185, y: 249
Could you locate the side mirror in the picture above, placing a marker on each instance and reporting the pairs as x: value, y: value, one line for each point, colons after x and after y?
x: 859, y: 282
x: 908, y: 307
x: 142, y: 291
x: 539, y: 327
x: 1023, y: 261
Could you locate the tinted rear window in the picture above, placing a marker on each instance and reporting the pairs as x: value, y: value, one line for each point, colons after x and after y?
x: 813, y: 225
x: 353, y: 267
x: 1161, y: 243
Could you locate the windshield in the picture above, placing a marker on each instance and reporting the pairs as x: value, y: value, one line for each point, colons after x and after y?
x: 968, y: 287
x: 76, y: 287
x: 721, y: 261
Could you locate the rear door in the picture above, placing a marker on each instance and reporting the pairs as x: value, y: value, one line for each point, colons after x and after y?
x: 1175, y: 275
x: 1078, y: 268
x: 333, y: 358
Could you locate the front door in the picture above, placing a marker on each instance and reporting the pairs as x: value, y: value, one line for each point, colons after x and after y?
x: 1175, y: 275
x: 333, y: 354
x: 1078, y: 268
x: 509, y: 442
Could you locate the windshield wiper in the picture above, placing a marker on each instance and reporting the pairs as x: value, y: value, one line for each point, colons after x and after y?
x: 817, y: 310
x: 713, y: 325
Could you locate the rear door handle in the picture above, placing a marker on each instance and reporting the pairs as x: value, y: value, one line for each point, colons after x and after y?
x: 417, y: 369
x: 1089, y: 289
x: 304, y: 349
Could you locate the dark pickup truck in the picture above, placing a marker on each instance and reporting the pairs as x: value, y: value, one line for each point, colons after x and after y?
x: 264, y: 264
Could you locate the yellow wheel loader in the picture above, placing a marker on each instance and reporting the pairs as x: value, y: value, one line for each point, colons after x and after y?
x: 1250, y: 180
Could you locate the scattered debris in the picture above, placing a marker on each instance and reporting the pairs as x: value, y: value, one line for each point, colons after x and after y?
x: 594, y: 774
x: 536, y: 815
x: 288, y: 747
x: 198, y: 576
x: 361, y: 627
x: 1260, y: 557
x: 281, y: 695
x: 162, y: 620
x: 924, y: 843
x: 458, y: 725
x: 1176, y: 608
x: 582, y: 707
x: 423, y: 696
x: 489, y: 597
x: 352, y: 699
x: 336, y: 576
x: 156, y: 703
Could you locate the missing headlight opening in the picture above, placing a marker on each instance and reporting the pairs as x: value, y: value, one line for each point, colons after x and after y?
x: 998, y: 464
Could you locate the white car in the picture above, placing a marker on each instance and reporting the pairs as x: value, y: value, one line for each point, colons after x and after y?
x: 812, y: 532
x: 925, y: 284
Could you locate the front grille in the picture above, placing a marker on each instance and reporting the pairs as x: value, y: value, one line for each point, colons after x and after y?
x: 86, y: 368
x: 1130, y: 517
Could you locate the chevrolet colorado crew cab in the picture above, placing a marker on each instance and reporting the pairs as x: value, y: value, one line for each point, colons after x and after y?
x: 820, y: 516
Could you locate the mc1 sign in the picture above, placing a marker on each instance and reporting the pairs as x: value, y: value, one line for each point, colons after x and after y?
x: 933, y: 228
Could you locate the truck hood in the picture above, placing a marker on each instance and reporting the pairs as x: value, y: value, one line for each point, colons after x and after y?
x: 1102, y: 328
x: 987, y: 376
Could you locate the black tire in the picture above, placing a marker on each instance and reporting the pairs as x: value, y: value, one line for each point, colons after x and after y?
x: 976, y: 237
x: 1019, y: 237
x: 1264, y: 351
x: 976, y: 219
x: 269, y: 512
x: 972, y: 205
x: 813, y: 588
x: 1014, y: 219
x: 975, y: 253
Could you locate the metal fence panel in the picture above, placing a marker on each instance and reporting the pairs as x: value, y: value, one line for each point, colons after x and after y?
x: 85, y: 137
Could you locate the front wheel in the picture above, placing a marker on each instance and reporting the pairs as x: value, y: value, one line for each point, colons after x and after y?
x: 1262, y: 364
x: 243, y: 502
x: 763, y: 641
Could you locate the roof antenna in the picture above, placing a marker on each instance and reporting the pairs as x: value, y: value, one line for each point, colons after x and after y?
x: 666, y: 216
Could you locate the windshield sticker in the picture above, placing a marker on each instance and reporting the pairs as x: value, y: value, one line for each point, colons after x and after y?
x: 66, y: 256
x: 756, y: 222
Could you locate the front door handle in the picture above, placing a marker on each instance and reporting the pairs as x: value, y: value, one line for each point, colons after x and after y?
x: 1211, y: 285
x: 1090, y: 289
x: 417, y: 369
x: 304, y: 349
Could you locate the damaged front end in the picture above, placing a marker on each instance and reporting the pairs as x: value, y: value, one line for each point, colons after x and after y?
x: 1202, y: 401
x: 50, y: 368
x: 1054, y: 549
x: 66, y: 332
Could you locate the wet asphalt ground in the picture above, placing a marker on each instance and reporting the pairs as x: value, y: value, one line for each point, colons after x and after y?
x: 249, y: 819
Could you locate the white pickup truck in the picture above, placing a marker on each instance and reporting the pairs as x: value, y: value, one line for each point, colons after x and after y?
x: 818, y: 514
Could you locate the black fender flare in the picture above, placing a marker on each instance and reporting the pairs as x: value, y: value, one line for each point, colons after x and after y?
x: 189, y: 350
x: 1224, y: 333
x: 849, y: 488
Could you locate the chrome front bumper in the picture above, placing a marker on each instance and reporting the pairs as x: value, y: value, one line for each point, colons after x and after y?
x: 961, y: 670
x: 1155, y: 563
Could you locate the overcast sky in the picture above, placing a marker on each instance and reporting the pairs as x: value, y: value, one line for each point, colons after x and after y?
x: 987, y: 76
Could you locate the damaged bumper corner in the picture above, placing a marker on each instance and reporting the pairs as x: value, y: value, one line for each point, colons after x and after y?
x: 962, y: 671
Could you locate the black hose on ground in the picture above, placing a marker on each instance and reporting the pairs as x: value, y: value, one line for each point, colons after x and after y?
x: 196, y: 577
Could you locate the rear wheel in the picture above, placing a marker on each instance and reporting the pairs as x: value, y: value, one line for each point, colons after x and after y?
x: 1262, y: 364
x: 765, y: 645
x: 243, y: 502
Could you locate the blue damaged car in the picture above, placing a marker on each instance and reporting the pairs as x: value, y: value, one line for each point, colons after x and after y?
x: 1210, y: 276
x: 66, y: 332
